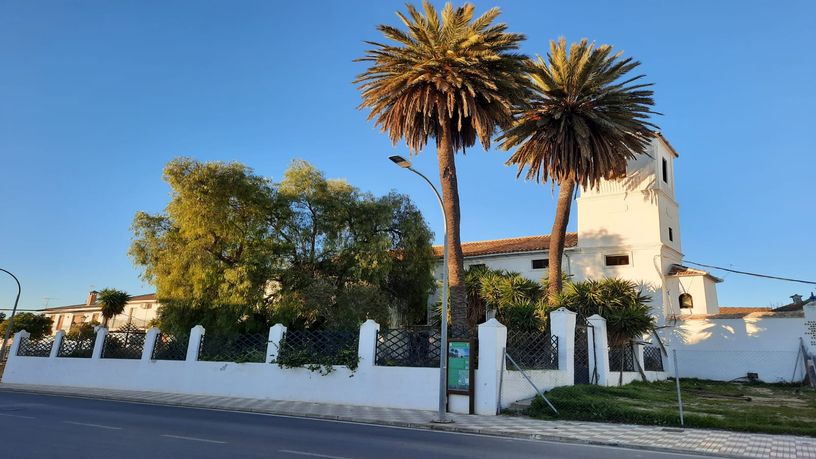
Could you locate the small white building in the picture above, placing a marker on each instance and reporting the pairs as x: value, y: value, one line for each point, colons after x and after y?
x: 139, y: 312
x: 627, y: 228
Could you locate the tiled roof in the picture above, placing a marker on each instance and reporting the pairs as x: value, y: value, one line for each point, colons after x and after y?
x: 683, y: 271
x: 145, y: 297
x: 733, y: 310
x: 509, y: 245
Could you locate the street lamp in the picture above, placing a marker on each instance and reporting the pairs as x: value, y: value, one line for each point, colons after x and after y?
x: 11, y: 318
x: 443, y: 351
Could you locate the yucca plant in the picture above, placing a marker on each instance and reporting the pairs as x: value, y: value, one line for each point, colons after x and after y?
x: 112, y: 302
x: 453, y: 78
x: 586, y: 119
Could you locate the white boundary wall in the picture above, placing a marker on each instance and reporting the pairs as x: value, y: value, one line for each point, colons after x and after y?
x: 729, y: 348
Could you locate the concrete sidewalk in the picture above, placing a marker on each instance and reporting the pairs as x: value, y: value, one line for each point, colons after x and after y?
x: 707, y: 442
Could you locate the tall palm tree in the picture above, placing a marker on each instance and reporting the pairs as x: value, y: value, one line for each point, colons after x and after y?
x: 112, y: 302
x: 453, y: 78
x: 586, y: 119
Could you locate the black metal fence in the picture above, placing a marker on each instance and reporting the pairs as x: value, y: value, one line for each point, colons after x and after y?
x: 622, y: 357
x: 126, y: 344
x: 233, y: 348
x: 408, y: 347
x: 652, y: 358
x: 532, y: 350
x: 77, y: 348
x: 332, y: 346
x: 35, y: 347
x: 170, y: 347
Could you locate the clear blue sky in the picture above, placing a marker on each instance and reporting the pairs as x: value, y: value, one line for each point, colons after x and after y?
x: 96, y: 96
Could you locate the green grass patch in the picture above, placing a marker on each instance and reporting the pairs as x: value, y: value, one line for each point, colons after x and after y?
x: 747, y: 407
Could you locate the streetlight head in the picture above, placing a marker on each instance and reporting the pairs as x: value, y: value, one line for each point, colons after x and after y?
x: 400, y: 161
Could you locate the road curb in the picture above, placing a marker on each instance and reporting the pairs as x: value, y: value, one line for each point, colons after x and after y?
x: 450, y: 428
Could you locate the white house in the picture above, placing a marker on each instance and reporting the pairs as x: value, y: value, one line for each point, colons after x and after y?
x: 139, y: 311
x: 627, y: 228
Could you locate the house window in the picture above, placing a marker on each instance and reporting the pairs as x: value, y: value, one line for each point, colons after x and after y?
x: 617, y: 260
x: 59, y: 322
x: 477, y: 266
x: 541, y: 263
x: 95, y: 317
x: 665, y: 170
x: 671, y: 234
x: 686, y: 302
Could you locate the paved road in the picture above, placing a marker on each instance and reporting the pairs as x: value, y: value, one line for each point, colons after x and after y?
x: 41, y: 426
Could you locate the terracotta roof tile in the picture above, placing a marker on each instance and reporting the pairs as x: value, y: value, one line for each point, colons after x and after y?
x: 145, y: 297
x: 683, y: 271
x: 736, y: 310
x: 509, y: 245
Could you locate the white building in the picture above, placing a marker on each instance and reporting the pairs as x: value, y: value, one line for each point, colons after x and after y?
x: 627, y: 228
x: 139, y: 311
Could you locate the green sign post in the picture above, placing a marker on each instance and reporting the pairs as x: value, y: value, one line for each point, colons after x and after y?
x: 459, y: 367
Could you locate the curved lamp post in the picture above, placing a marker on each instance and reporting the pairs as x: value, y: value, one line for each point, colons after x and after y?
x: 443, y: 342
x: 11, y: 318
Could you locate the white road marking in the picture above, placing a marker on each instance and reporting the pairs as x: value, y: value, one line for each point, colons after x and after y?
x: 179, y: 437
x: 98, y: 426
x: 306, y: 453
x: 17, y: 416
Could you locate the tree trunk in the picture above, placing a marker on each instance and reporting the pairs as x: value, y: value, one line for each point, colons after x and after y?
x: 456, y: 269
x: 557, y: 236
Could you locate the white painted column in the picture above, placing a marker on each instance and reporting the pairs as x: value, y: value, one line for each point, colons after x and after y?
x: 150, y: 342
x: 99, y: 343
x: 367, y: 344
x: 15, y: 343
x: 492, y: 340
x: 57, y: 344
x: 194, y: 344
x: 276, y: 333
x: 562, y: 325
x: 638, y: 350
x: 601, y: 348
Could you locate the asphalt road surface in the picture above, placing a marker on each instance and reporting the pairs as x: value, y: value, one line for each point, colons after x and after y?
x: 42, y: 426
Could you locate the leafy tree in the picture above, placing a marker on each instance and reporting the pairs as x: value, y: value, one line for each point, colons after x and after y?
x: 236, y: 252
x: 587, y: 117
x: 38, y: 325
x: 452, y: 78
x: 82, y: 331
x: 112, y: 302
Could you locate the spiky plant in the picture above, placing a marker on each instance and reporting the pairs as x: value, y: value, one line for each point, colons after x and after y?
x: 587, y: 117
x: 453, y: 78
x: 112, y: 302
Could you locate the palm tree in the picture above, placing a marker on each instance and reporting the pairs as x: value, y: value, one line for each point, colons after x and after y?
x: 453, y: 78
x: 112, y: 302
x: 586, y: 119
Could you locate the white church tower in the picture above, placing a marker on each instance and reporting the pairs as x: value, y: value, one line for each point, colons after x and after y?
x: 630, y: 228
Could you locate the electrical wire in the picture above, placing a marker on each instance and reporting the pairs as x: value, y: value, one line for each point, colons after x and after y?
x: 765, y: 276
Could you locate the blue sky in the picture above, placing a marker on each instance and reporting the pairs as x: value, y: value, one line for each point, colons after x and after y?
x: 96, y: 96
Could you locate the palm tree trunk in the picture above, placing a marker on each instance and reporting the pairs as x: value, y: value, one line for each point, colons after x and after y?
x: 456, y: 268
x: 557, y: 236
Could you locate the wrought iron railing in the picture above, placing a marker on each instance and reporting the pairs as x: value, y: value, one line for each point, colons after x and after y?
x: 78, y: 348
x: 35, y: 347
x: 332, y: 346
x: 622, y: 357
x: 652, y: 358
x: 233, y: 348
x: 533, y: 350
x: 124, y: 344
x: 408, y: 347
x: 170, y: 347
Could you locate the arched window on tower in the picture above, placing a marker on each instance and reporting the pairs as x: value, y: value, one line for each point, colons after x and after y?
x: 686, y: 302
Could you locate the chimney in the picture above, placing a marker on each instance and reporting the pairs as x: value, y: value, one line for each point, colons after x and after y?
x: 797, y: 299
x: 91, y: 298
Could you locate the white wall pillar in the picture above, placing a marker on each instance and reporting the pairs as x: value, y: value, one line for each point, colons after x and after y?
x: 562, y: 325
x: 601, y: 350
x: 57, y: 344
x: 150, y: 343
x: 276, y: 333
x: 15, y: 343
x: 492, y: 340
x: 367, y: 344
x: 196, y: 334
x: 638, y: 350
x: 99, y: 343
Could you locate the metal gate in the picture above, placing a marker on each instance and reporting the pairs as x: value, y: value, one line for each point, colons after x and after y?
x: 584, y: 341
